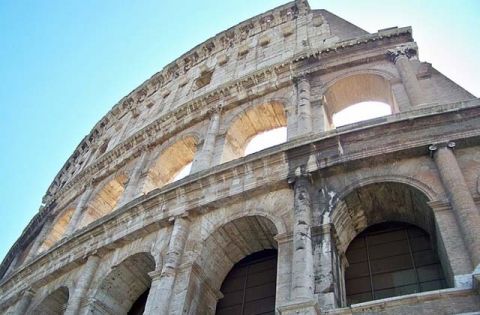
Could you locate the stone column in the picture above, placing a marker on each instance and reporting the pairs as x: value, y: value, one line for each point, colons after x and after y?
x: 24, y: 303
x: 47, y: 226
x: 302, y: 277
x: 82, y: 285
x: 304, y: 109
x: 77, y: 214
x: 162, y: 282
x: 328, y: 267
x: 132, y: 187
x: 400, y: 56
x: 204, y: 157
x: 466, y: 212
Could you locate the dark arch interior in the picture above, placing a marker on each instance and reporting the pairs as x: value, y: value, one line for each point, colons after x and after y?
x: 250, y: 286
x: 138, y: 306
x: 125, y: 289
x: 391, y: 259
x: 53, y: 304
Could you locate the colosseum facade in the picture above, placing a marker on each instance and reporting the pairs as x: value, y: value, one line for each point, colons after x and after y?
x: 379, y: 216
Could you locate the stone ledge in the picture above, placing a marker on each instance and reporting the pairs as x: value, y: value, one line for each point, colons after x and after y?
x: 308, y: 307
x: 410, y: 299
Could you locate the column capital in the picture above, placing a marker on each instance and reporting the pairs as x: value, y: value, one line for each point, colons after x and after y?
x: 217, y: 109
x: 185, y: 215
x: 283, y: 238
x: 300, y: 175
x: 89, y: 184
x: 301, y: 77
x: 155, y: 275
x: 435, y: 146
x: 29, y: 292
x: 407, y: 50
x: 93, y: 255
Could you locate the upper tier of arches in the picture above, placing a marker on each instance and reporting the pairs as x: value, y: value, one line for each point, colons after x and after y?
x: 206, y: 111
x: 221, y: 138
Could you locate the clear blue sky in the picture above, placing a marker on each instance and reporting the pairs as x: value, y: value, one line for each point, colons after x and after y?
x: 64, y: 64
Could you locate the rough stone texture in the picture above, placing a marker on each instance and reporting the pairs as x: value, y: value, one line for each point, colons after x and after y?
x: 115, y: 199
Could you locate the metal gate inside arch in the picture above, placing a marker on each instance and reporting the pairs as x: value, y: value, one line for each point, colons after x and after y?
x: 249, y: 287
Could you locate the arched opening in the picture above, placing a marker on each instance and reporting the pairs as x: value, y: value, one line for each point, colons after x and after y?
x: 391, y: 259
x: 184, y: 172
x: 247, y: 242
x: 266, y: 139
x: 393, y: 244
x: 125, y: 289
x: 360, y: 112
x: 104, y: 201
x: 249, y: 287
x: 53, y: 304
x: 358, y: 97
x: 58, y: 230
x: 254, y: 121
x: 171, y: 162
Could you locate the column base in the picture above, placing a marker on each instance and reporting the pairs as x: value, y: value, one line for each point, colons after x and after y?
x: 307, y: 307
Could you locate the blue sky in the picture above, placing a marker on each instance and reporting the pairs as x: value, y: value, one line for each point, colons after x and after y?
x: 64, y: 64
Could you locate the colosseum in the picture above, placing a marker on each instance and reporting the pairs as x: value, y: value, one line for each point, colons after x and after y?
x: 377, y: 216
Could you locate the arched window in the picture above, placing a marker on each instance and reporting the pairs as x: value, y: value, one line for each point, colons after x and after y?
x: 184, y: 172
x: 358, y: 97
x: 104, y: 201
x: 257, y: 120
x: 172, y: 164
x: 58, y: 230
x: 359, y: 112
x: 391, y: 259
x: 138, y: 306
x: 250, y: 286
x: 125, y: 289
x: 266, y: 139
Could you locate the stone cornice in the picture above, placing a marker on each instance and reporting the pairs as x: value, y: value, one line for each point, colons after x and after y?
x: 233, y: 36
x: 152, y: 211
x: 221, y: 92
x: 278, y: 76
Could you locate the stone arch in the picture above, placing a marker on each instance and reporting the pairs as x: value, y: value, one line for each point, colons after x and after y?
x: 279, y: 224
x: 170, y: 161
x: 140, y: 248
x: 387, y: 75
x: 362, y: 86
x: 224, y: 247
x: 427, y: 190
x: 104, y: 200
x: 250, y: 122
x: 231, y: 115
x: 124, y: 284
x: 372, y: 202
x: 54, y: 303
x: 58, y: 229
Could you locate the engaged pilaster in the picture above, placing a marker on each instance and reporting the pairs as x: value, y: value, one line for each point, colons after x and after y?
x: 162, y: 282
x: 459, y: 195
x: 400, y: 56
x: 40, y: 238
x: 132, y: 187
x: 329, y: 267
x: 304, y: 109
x: 303, y: 283
x: 203, y: 159
x: 82, y: 285
x: 77, y: 214
x: 25, y: 301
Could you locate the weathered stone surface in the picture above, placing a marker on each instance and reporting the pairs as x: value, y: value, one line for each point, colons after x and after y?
x: 116, y: 223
